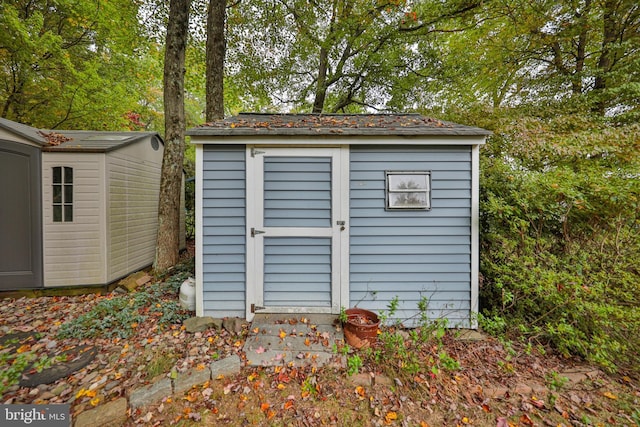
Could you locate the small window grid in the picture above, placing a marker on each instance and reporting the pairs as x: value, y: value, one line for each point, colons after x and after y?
x: 62, y: 183
x: 408, y: 190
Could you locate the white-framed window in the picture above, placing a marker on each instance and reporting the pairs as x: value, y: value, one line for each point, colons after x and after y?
x: 62, y: 183
x: 408, y: 190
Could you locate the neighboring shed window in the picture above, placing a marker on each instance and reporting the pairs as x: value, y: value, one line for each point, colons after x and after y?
x: 408, y: 190
x: 62, y: 194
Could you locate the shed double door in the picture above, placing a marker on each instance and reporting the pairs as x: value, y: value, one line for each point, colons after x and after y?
x: 297, y: 237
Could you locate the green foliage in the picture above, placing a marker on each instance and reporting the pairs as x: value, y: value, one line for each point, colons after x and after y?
x: 119, y: 316
x: 556, y: 382
x: 354, y: 363
x: 310, y: 385
x: 15, y: 363
x: 73, y: 64
x: 416, y: 351
x: 343, y: 315
x: 560, y: 221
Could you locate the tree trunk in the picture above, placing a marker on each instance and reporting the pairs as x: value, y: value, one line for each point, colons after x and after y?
x: 215, y: 60
x: 168, y: 243
x: 321, y: 86
x: 605, y: 61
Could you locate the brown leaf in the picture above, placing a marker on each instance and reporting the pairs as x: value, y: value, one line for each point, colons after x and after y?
x: 526, y: 420
x: 537, y: 403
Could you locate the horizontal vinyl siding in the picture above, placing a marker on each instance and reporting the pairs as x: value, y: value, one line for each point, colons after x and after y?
x: 134, y: 188
x: 223, y: 229
x: 74, y: 252
x: 297, y: 271
x: 412, y: 254
x: 297, y: 192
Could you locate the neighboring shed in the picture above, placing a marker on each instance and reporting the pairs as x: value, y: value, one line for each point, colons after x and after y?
x: 76, y: 207
x: 310, y: 213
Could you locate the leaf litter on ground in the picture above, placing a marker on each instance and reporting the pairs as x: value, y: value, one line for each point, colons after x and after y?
x: 490, y: 384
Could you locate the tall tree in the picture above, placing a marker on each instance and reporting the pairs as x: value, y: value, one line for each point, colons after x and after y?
x: 69, y: 64
x: 581, y: 53
x: 215, y: 60
x: 334, y: 55
x: 168, y: 243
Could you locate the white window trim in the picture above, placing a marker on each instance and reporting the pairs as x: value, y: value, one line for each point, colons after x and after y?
x: 389, y: 191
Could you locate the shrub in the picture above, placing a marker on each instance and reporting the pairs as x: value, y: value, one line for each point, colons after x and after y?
x: 559, y: 250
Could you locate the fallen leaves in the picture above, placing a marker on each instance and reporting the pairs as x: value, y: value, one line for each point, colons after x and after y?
x: 330, y: 123
x: 390, y: 417
x: 454, y: 398
x: 54, y: 138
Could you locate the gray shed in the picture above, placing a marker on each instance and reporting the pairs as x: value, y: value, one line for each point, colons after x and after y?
x: 310, y: 213
x: 77, y: 208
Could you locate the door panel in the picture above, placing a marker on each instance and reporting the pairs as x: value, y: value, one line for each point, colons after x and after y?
x: 297, y: 270
x: 297, y: 191
x: 20, y: 207
x: 294, y: 229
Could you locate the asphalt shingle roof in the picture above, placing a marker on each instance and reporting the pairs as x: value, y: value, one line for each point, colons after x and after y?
x: 333, y: 124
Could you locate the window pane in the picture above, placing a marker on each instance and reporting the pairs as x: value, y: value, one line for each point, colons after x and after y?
x: 57, y: 213
x: 68, y: 175
x: 68, y: 213
x: 68, y: 194
x: 57, y: 175
x: 408, y: 200
x: 57, y: 193
x: 406, y: 182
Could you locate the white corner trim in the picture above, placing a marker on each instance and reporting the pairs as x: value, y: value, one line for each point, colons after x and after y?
x: 250, y: 220
x: 345, y: 214
x: 475, y: 234
x: 198, y: 231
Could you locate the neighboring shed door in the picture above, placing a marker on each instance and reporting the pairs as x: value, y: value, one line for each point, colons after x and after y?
x: 20, y: 214
x: 297, y: 232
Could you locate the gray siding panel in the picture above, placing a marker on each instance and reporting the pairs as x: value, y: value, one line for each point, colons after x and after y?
x: 223, y: 229
x: 412, y: 254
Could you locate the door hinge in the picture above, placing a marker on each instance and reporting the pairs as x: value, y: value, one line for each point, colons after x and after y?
x: 254, y: 152
x: 254, y: 232
x: 254, y: 308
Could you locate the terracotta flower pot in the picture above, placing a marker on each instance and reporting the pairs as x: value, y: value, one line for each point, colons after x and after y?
x: 361, y: 327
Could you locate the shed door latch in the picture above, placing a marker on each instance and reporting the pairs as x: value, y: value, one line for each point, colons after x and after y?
x: 254, y: 232
x: 255, y: 308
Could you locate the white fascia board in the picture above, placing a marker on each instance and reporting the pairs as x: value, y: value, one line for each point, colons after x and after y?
x: 337, y: 141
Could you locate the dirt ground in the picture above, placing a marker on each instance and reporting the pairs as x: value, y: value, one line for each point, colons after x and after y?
x: 444, y: 382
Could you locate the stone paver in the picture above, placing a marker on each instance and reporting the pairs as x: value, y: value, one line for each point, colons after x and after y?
x: 227, y: 366
x: 150, y: 394
x: 199, y: 324
x: 470, y: 335
x: 110, y: 414
x: 298, y: 339
x: 185, y: 381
